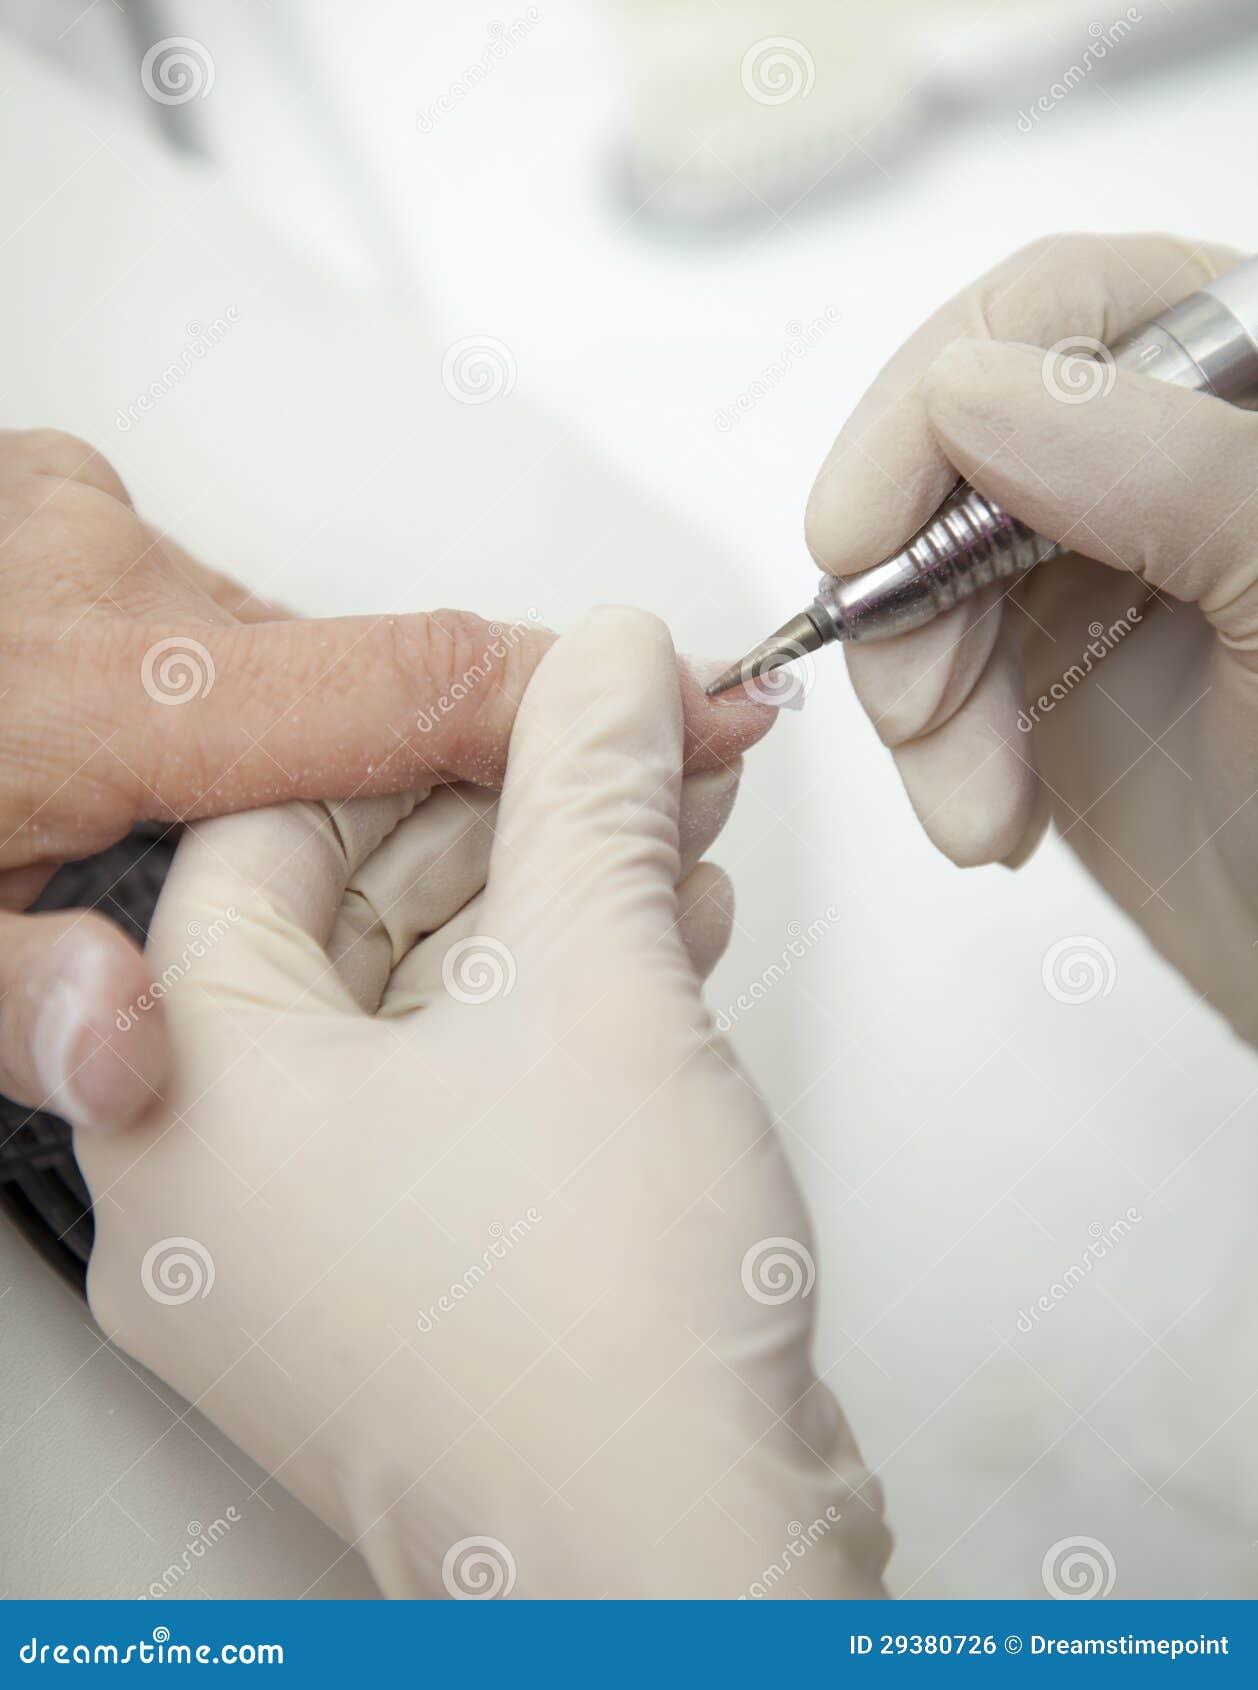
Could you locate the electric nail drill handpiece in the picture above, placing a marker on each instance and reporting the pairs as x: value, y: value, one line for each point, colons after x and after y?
x: 1209, y: 342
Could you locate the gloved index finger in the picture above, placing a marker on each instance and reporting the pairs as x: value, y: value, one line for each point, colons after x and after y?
x: 886, y: 472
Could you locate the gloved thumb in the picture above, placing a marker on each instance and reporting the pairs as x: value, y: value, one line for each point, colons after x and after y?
x: 585, y: 863
x: 1139, y: 474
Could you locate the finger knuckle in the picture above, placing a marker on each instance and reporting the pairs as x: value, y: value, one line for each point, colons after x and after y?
x: 1067, y: 247
x: 63, y: 534
x: 462, y: 669
x: 997, y: 301
x: 52, y: 451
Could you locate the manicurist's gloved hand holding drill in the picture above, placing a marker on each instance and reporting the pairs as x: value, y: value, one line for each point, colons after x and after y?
x: 1117, y: 687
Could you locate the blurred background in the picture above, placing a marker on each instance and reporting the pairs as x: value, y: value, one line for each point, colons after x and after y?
x: 531, y: 307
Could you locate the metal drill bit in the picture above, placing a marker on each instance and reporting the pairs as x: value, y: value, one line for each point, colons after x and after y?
x: 801, y: 634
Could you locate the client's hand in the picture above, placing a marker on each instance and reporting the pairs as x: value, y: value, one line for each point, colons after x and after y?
x: 460, y: 1219
x: 139, y: 685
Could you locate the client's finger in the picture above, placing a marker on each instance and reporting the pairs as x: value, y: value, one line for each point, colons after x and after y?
x: 349, y: 707
x: 81, y: 1031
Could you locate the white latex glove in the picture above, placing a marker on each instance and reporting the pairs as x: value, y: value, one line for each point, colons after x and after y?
x: 511, y: 1279
x: 1130, y: 683
x: 108, y: 624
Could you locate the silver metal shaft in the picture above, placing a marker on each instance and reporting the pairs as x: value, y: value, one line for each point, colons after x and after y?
x: 1209, y: 342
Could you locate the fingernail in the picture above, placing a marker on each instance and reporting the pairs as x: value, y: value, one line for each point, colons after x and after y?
x: 96, y: 1070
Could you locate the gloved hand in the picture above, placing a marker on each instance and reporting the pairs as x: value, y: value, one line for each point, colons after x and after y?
x: 460, y: 1219
x: 139, y: 685
x: 1130, y: 683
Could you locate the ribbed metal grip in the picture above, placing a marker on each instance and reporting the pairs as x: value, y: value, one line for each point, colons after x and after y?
x: 1208, y: 342
x: 968, y: 543
x: 971, y: 542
